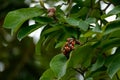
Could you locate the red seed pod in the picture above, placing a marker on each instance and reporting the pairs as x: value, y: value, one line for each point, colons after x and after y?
x: 73, y: 43
x: 67, y: 49
x: 69, y: 39
x: 71, y: 47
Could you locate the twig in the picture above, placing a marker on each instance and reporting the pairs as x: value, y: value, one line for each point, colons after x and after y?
x: 107, y: 7
x: 117, y: 76
x: 42, y: 4
x: 79, y: 71
x: 69, y: 7
x: 105, y: 1
x: 88, y: 13
x: 91, y: 7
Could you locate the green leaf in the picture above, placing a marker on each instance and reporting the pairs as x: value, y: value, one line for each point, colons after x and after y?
x: 118, y: 73
x: 48, y: 39
x: 43, y: 20
x: 88, y: 34
x: 81, y: 13
x: 99, y: 63
x: 90, y: 20
x: 78, y: 23
x: 52, y: 29
x: 79, y: 2
x: 82, y: 55
x: 72, y: 21
x: 70, y: 73
x: 52, y: 42
x: 58, y: 65
x: 89, y: 78
x: 38, y: 47
x: 115, y: 34
x: 73, y: 79
x: 83, y: 25
x: 112, y: 27
x: 48, y: 75
x: 114, y: 11
x: 60, y: 44
x: 95, y: 13
x: 97, y: 28
x: 27, y: 30
x: 15, y: 19
x: 114, y: 66
x: 74, y: 9
x: 107, y: 44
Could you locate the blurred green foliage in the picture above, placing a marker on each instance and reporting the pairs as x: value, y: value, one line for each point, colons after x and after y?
x: 84, y: 20
x: 17, y: 57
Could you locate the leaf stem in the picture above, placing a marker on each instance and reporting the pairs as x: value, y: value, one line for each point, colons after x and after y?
x: 79, y: 71
x: 105, y: 1
x: 106, y: 7
x: 42, y: 4
x: 117, y: 76
x: 69, y: 7
x: 90, y: 10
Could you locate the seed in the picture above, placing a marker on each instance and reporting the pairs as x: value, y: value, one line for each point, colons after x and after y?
x: 67, y: 49
x: 69, y: 39
x: 73, y: 43
x: 71, y: 47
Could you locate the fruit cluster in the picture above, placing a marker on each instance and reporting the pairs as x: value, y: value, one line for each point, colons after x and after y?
x: 69, y: 46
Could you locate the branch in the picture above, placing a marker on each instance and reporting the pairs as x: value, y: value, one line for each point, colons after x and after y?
x: 42, y: 4
x: 117, y: 76
x: 105, y: 1
x: 106, y: 7
x: 69, y: 7
x: 91, y: 7
x: 79, y: 71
